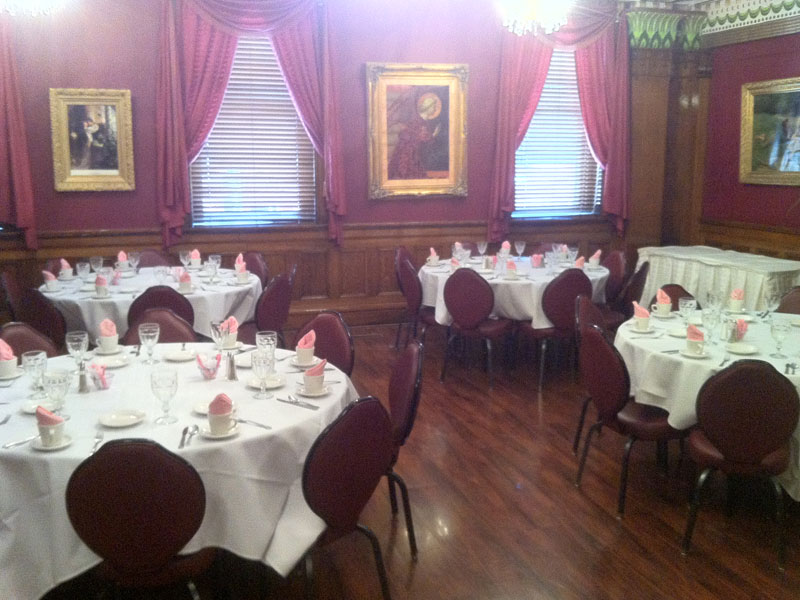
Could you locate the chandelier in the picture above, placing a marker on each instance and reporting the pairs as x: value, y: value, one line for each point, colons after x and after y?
x: 523, y: 16
x: 31, y: 7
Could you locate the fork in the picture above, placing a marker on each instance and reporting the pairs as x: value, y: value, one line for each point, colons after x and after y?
x: 98, y: 439
x: 254, y: 423
x: 725, y: 359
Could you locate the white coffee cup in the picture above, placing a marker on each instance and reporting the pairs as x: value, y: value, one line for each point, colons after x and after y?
x: 108, y: 343
x: 735, y: 305
x: 695, y: 346
x: 641, y: 323
x: 313, y: 384
x: 305, y: 356
x: 229, y: 340
x: 185, y: 286
x: 51, y: 435
x: 123, y: 265
x: 65, y: 273
x: 594, y: 261
x: 101, y: 291
x: 220, y: 424
x: 8, y: 367
x: 432, y: 260
x: 511, y: 274
x: 195, y: 262
x: 51, y: 285
x: 242, y: 276
x: 661, y: 309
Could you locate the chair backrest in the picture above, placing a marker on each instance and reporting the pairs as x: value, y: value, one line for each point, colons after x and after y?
x: 411, y: 287
x: 346, y: 463
x: 135, y: 504
x: 41, y: 314
x: 603, y: 373
x: 152, y: 258
x: 675, y: 291
x: 469, y: 298
x: 617, y: 266
x: 12, y: 291
x: 23, y: 338
x: 405, y: 387
x: 161, y: 296
x: 257, y: 265
x: 334, y: 340
x: 747, y: 410
x: 633, y: 290
x: 790, y: 303
x: 272, y: 308
x: 401, y: 254
x: 172, y: 328
x: 558, y: 299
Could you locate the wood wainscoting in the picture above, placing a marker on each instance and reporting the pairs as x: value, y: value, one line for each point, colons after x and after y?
x: 356, y: 278
x: 769, y: 241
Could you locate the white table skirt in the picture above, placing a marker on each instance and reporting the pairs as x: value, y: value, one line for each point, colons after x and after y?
x: 211, y: 302
x: 519, y: 299
x: 673, y: 381
x: 703, y: 269
x: 255, y: 507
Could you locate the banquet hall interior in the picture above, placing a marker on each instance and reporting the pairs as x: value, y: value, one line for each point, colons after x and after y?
x: 120, y: 131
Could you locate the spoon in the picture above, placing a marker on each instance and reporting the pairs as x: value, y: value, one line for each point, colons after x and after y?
x: 183, y: 437
x: 193, y: 430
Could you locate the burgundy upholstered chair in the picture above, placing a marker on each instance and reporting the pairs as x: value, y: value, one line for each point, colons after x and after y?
x: 36, y: 310
x: 152, y: 258
x: 342, y: 470
x: 746, y: 415
x: 172, y: 328
x: 675, y: 291
x: 334, y: 340
x: 401, y: 254
x: 12, y: 291
x: 257, y: 265
x: 469, y: 299
x: 415, y: 312
x: 586, y: 314
x: 616, y: 263
x: 790, y: 302
x: 616, y: 313
x: 606, y: 380
x: 136, y: 505
x: 161, y: 296
x: 272, y: 307
x: 53, y: 265
x: 23, y: 338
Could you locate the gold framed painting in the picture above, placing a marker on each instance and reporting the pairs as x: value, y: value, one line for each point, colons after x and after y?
x: 417, y: 129
x: 770, y: 137
x: 92, y: 140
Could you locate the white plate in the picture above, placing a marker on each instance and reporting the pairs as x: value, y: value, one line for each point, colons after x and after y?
x: 484, y: 271
x: 122, y: 418
x: 127, y: 274
x: 14, y: 375
x: 678, y: 332
x: 326, y: 389
x: 657, y: 316
x: 294, y: 363
x: 273, y: 382
x: 89, y: 287
x: 511, y: 277
x: 236, y: 347
x: 36, y: 444
x: 741, y: 348
x: 29, y: 408
x: 191, y: 291
x: 179, y: 356
x: 102, y: 352
x: 206, y: 433
x: 236, y: 282
x: 688, y: 354
x: 113, y: 362
x: 70, y: 278
x: 632, y: 329
x: 734, y: 312
x: 96, y: 297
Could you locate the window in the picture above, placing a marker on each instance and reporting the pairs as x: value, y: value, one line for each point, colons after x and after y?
x: 556, y: 174
x: 257, y: 167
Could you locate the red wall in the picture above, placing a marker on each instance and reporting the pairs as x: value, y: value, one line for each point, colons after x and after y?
x: 724, y: 197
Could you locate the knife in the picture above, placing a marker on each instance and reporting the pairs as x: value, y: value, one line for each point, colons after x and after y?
x: 299, y: 403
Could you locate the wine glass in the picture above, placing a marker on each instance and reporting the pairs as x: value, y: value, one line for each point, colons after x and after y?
x: 773, y: 300
x: 148, y: 336
x: 56, y: 386
x: 267, y: 341
x: 211, y: 269
x: 572, y: 254
x: 83, y: 269
x: 77, y: 343
x: 164, y: 384
x: 262, y: 369
x: 686, y: 308
x: 96, y: 263
x: 216, y: 260
x: 34, y: 363
x: 519, y: 246
x: 710, y: 318
x: 779, y: 331
x: 216, y: 334
x: 185, y: 257
x: 482, y: 246
x: 714, y: 300
x: 133, y: 260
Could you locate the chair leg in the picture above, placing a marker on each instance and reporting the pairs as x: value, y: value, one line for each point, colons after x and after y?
x: 392, y: 493
x: 397, y: 336
x: 542, y: 350
x: 687, y: 536
x: 447, y: 350
x: 780, y: 513
x: 308, y: 576
x: 489, y: 369
x: 376, y: 550
x: 412, y: 538
x: 577, y: 441
x: 623, y: 477
x: 596, y: 427
x: 662, y: 455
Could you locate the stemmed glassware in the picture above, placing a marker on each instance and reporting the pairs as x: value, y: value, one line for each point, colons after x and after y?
x: 262, y: 369
x: 714, y: 300
x: 216, y: 334
x: 686, y: 307
x: 164, y: 384
x: 133, y: 260
x: 710, y: 318
x: 34, y: 363
x: 77, y: 343
x: 773, y: 301
x: 482, y: 246
x: 161, y: 273
x: 779, y: 331
x: 56, y: 386
x: 216, y: 260
x: 96, y: 263
x: 267, y: 341
x: 148, y: 336
x: 519, y: 246
x: 572, y: 254
x: 185, y: 257
x: 83, y: 270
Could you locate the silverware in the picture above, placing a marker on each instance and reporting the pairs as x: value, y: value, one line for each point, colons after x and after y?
x: 670, y: 351
x: 20, y: 442
x: 193, y: 431
x: 5, y: 419
x: 295, y: 402
x: 183, y: 437
x: 725, y: 359
x: 98, y: 439
x: 255, y: 423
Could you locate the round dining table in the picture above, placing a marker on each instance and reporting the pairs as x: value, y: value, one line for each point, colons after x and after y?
x: 212, y: 300
x: 254, y: 501
x: 664, y: 374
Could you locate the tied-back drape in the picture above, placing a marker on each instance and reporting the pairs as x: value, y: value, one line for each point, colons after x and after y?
x: 16, y: 185
x: 600, y: 42
x: 198, y: 44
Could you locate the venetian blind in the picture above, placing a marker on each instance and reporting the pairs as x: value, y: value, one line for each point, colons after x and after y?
x: 556, y: 174
x: 257, y: 166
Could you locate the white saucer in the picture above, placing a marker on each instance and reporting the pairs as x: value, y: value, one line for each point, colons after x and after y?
x: 122, y: 418
x: 236, y: 282
x: 511, y: 278
x: 741, y: 348
x: 326, y: 389
x: 96, y: 297
x: 186, y: 293
x: 14, y: 375
x: 688, y: 354
x: 734, y: 312
x: 179, y: 356
x: 29, y: 408
x: 657, y: 316
x: 678, y: 332
x: 87, y: 288
x: 484, y: 271
x: 433, y: 264
x: 128, y: 274
x: 102, y: 352
x: 235, y: 347
x: 36, y: 444
x: 650, y: 329
x: 113, y: 362
x: 744, y: 317
x: 70, y: 278
x: 273, y: 382
x: 206, y: 433
x: 294, y: 363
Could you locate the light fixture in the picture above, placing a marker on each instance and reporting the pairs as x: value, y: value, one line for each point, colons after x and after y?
x: 523, y: 16
x: 31, y: 7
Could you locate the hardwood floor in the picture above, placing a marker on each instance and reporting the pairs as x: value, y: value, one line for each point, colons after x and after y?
x: 497, y: 517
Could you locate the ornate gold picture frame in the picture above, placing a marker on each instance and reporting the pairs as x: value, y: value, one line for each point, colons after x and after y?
x: 92, y: 140
x: 770, y: 137
x: 417, y: 129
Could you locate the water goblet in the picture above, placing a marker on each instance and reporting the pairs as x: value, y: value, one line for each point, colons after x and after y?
x: 519, y: 246
x: 77, y: 343
x: 216, y: 334
x: 266, y: 342
x: 83, y: 269
x: 773, y: 300
x: 215, y: 259
x: 686, y: 308
x: 211, y: 269
x: 572, y: 254
x: 164, y: 384
x: 34, y: 363
x: 148, y: 336
x: 96, y: 263
x: 161, y: 273
x: 133, y: 260
x: 713, y: 300
x: 185, y: 257
x: 779, y: 331
x: 482, y: 246
x: 56, y: 386
x: 710, y: 318
x: 262, y: 369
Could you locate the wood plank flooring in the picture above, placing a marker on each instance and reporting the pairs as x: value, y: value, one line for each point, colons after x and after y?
x: 497, y: 517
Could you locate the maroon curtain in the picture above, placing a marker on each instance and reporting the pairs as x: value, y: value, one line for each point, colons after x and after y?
x: 16, y: 185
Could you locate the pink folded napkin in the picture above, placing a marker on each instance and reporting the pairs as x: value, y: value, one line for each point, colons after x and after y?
x: 65, y: 266
x: 308, y: 340
x: 741, y: 328
x: 207, y: 367
x: 494, y: 260
x: 6, y: 352
x: 536, y: 260
x: 506, y: 245
x: 99, y: 372
x: 240, y: 259
x: 117, y: 276
x: 454, y: 262
x: 229, y: 325
x: 597, y: 254
x: 220, y: 405
x: 580, y: 262
x: 693, y: 334
x: 640, y: 311
x: 48, y: 276
x: 458, y: 246
x: 662, y: 297
x: 184, y: 277
x: 737, y: 294
x: 107, y: 328
x: 100, y: 280
x: 433, y: 253
x: 511, y: 265
x: 121, y: 256
x: 318, y: 369
x: 45, y: 417
x: 195, y: 253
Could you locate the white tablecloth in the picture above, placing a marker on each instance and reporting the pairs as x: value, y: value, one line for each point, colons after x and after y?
x: 255, y: 507
x: 672, y: 381
x: 211, y: 302
x: 703, y: 269
x: 519, y: 299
